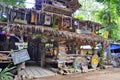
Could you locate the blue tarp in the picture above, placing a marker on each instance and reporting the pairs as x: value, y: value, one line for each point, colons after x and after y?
x: 114, y: 46
x: 0, y: 33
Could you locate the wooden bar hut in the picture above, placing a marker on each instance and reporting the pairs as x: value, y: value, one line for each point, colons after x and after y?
x: 55, y: 36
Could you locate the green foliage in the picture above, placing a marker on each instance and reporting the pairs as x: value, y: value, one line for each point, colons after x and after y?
x: 110, y: 16
x: 80, y: 17
x: 88, y: 10
x: 100, y: 0
x: 17, y: 3
x: 5, y: 74
x: 106, y: 12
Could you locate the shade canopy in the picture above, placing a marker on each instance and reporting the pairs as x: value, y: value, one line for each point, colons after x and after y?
x: 114, y: 46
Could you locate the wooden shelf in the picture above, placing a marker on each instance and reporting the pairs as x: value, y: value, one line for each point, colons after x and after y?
x: 5, y: 23
x: 55, y: 9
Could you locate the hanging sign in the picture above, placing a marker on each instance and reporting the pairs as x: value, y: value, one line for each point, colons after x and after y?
x: 20, y: 56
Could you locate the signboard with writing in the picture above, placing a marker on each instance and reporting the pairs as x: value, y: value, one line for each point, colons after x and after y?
x: 20, y: 56
x: 83, y: 31
x: 21, y: 45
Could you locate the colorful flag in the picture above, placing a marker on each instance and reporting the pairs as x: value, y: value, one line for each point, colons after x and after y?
x: 56, y: 21
x: 105, y: 35
x: 47, y: 20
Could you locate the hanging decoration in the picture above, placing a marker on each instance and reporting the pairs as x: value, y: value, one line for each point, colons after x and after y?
x: 47, y: 20
x: 66, y: 23
x: 57, y: 21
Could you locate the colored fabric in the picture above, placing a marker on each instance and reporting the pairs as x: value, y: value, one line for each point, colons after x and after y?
x: 114, y: 46
x: 105, y: 35
x: 47, y: 20
x: 56, y: 20
x: 32, y: 18
x: 0, y: 33
x: 35, y: 18
x: 66, y: 23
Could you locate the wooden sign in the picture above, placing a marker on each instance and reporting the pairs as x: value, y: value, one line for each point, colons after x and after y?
x: 21, y: 45
x: 83, y: 31
x: 20, y: 56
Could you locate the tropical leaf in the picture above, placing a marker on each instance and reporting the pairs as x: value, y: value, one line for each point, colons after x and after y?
x: 5, y: 73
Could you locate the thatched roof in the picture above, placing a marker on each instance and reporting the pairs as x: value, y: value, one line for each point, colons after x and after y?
x: 29, y: 29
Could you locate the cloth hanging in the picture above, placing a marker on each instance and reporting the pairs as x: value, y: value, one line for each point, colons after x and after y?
x: 28, y: 17
x: 48, y: 20
x: 57, y: 21
x: 66, y: 23
x: 105, y: 35
x: 33, y: 18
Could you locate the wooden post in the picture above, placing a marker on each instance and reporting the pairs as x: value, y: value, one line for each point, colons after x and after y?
x: 42, y: 50
x: 101, y: 56
x: 42, y: 10
x: 93, y: 49
x: 109, y: 57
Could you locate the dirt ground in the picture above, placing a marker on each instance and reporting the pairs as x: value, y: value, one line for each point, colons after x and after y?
x: 106, y: 74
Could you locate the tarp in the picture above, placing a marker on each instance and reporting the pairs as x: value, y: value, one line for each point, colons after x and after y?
x: 0, y: 33
x: 114, y: 46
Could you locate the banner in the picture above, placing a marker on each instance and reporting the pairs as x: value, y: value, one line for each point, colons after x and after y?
x: 48, y: 20
x: 57, y: 20
x: 105, y: 35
